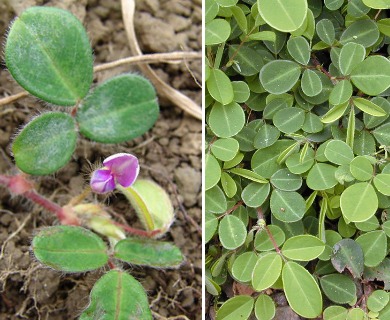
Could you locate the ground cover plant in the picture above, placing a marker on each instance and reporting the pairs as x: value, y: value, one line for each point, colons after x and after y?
x: 48, y: 53
x: 297, y: 159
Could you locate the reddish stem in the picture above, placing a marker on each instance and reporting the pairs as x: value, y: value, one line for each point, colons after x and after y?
x: 111, y: 264
x: 321, y: 68
x: 52, y: 207
x: 137, y: 232
x: 229, y: 211
x: 44, y: 202
x: 235, y: 53
x: 271, y: 237
x: 19, y: 185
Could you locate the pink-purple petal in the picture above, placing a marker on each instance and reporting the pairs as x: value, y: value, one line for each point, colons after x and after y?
x: 102, y: 181
x: 124, y: 167
x: 128, y: 177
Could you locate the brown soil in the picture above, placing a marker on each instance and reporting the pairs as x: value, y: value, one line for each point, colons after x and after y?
x: 170, y: 154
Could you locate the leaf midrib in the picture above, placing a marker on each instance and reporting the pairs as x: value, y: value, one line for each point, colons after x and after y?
x: 67, y: 85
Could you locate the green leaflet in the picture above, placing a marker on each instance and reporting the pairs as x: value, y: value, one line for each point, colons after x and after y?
x: 218, y: 31
x: 350, y: 139
x: 263, y: 35
x: 264, y: 307
x: 302, y: 291
x: 321, y: 177
x: 341, y: 93
x: 211, y: 10
x: 284, y: 180
x: 238, y: 307
x: 377, y: 4
x: 311, y: 83
x: 226, y: 3
x: 220, y: 87
x: 374, y: 246
x: 225, y: 149
x: 232, y: 232
x: 377, y: 300
x: 246, y: 60
x: 241, y: 91
x: 220, y: 119
x: 255, y: 194
x: 154, y: 253
x: 374, y: 121
x: 335, y: 313
x: 369, y: 107
x: 339, y: 288
x: 335, y: 113
x: 382, y: 134
x: 299, y: 49
x: 285, y: 16
x: 333, y: 4
x: 213, y: 171
x: 129, y: 301
x: 312, y: 123
x: 364, y: 32
x: 325, y: 31
x: 239, y: 16
x: 31, y: 45
x: 348, y: 254
x: 279, y: 76
x: 359, y: 202
x: 243, y: 265
x: 338, y: 152
x: 266, y: 271
x: 382, y: 183
x: 266, y: 136
x: 107, y: 114
x: 45, y: 144
x: 372, y: 75
x: 248, y: 175
x: 384, y: 26
x: 70, y: 248
x: 351, y: 55
x: 361, y: 168
x: 287, y: 206
x: 303, y: 248
x: 289, y: 120
x: 229, y: 186
x: 357, y: 9
x: 211, y: 225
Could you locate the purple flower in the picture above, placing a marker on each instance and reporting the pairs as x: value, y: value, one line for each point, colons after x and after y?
x: 121, y: 168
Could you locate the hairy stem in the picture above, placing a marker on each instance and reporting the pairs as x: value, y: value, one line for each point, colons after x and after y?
x: 137, y: 232
x: 44, y: 202
x: 21, y: 186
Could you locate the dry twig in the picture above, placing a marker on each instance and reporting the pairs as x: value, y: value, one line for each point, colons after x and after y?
x: 147, y: 58
x: 163, y: 89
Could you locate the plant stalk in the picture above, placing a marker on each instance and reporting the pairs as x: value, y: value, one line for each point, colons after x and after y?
x: 271, y: 237
x: 19, y: 185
